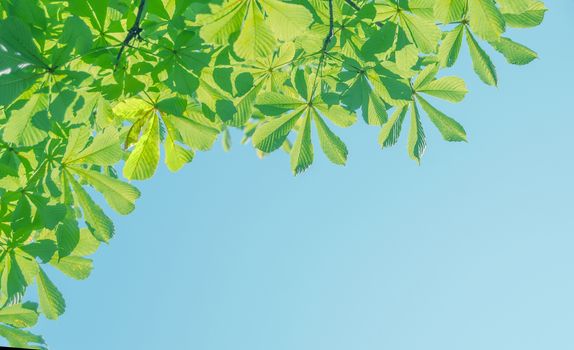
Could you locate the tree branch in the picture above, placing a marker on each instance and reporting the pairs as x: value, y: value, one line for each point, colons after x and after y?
x: 331, y: 25
x: 133, y: 32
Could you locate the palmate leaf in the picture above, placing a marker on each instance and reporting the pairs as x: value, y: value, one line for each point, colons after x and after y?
x: 165, y: 117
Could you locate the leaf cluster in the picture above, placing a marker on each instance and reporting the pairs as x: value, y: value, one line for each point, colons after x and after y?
x: 86, y: 85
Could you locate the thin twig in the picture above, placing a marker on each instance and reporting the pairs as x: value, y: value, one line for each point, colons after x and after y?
x: 323, y: 51
x: 331, y: 25
x: 353, y: 5
x: 133, y: 32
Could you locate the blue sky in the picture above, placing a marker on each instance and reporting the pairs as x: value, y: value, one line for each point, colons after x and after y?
x: 470, y: 250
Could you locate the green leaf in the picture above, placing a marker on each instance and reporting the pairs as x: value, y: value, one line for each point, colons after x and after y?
x: 255, y: 39
x: 450, y: 47
x: 447, y: 11
x: 448, y: 127
x: 481, y: 63
x: 226, y: 140
x: 19, y: 315
x: 95, y: 10
x: 286, y: 20
x: 99, y: 224
x: 271, y: 134
x: 76, y: 36
x: 78, y: 138
x: 217, y: 27
x: 425, y: 76
x: 175, y: 155
x: 302, y: 151
x: 337, y: 114
x: 67, y: 235
x: 452, y: 89
x: 380, y: 41
x: 391, y: 130
x: 333, y: 147
x: 105, y: 149
x: 522, y: 13
x: 416, y: 141
x: 22, y: 128
x: 15, y: 83
x: 16, y: 37
x: 514, y: 52
x: 74, y: 266
x: 485, y: 19
x: 143, y: 160
x: 194, y: 134
x: 119, y: 195
x: 52, y: 302
x: 244, y: 105
x: 373, y: 108
x: 21, y: 338
x: 274, y: 103
x: 87, y: 245
x: 424, y: 33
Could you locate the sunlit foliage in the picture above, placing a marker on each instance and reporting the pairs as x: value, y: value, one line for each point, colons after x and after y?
x: 88, y: 84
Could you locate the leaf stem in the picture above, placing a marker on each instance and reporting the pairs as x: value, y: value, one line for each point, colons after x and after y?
x: 133, y: 32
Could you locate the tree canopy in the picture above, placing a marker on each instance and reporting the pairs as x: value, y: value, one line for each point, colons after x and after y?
x: 88, y: 84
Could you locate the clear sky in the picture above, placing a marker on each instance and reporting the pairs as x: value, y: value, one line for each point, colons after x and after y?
x: 471, y: 250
